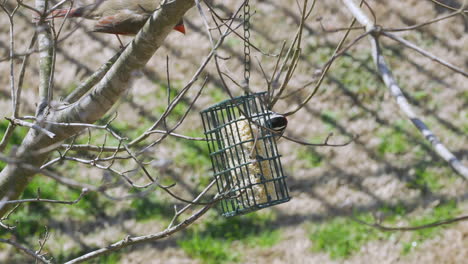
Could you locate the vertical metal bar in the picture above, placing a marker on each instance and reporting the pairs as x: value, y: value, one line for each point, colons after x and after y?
x: 212, y: 148
x: 230, y: 156
x: 260, y: 137
x: 241, y: 157
x: 276, y: 176
x: 220, y: 179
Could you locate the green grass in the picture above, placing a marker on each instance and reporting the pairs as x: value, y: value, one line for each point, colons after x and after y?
x: 217, y: 94
x: 443, y: 211
x: 312, y: 157
x: 465, y: 123
x: 16, y: 139
x: 341, y: 237
x: 393, y: 212
x: 394, y: 140
x: 177, y: 112
x: 330, y: 118
x: 150, y: 207
x: 112, y: 258
x: 213, y: 242
x: 426, y: 178
x: 359, y: 80
x: 208, y: 249
x: 393, y: 143
x: 421, y: 96
x: 30, y: 218
x: 464, y: 95
x: 232, y: 42
x: 350, y: 72
x: 161, y: 96
x: 192, y: 153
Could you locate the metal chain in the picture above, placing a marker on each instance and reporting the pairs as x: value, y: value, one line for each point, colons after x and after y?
x: 246, y: 45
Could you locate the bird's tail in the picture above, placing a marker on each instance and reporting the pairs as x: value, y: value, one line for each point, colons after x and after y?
x: 180, y: 26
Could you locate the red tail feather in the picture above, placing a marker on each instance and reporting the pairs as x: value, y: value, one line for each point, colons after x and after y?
x: 180, y: 28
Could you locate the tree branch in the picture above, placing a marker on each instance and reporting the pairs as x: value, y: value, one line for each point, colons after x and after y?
x: 45, y: 45
x: 412, y: 228
x: 128, y: 241
x: 26, y: 250
x: 89, y: 108
x: 396, y: 92
x: 425, y: 53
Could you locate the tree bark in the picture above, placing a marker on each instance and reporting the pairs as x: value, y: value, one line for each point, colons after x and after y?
x: 90, y: 108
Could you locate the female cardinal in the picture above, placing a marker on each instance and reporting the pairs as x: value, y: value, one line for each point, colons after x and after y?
x: 123, y: 17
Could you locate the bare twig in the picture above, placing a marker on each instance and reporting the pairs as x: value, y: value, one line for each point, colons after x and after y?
x: 339, y: 29
x: 181, y: 211
x: 65, y: 181
x: 58, y: 5
x: 26, y: 250
x: 70, y: 182
x: 324, y: 144
x: 325, y: 68
x: 43, y: 241
x: 128, y: 241
x: 88, y: 147
x: 183, y: 91
x: 412, y: 228
x: 205, y: 22
x: 435, y: 20
x: 425, y: 53
x: 41, y: 200
x: 176, y: 135
x: 294, y: 58
x: 446, y: 6
x: 180, y: 120
x: 10, y: 15
x: 7, y: 216
x: 19, y: 122
x: 6, y: 137
x: 324, y: 71
x: 14, y: 94
x: 224, y: 22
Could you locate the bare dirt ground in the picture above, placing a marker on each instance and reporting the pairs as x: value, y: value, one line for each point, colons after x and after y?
x: 325, y: 182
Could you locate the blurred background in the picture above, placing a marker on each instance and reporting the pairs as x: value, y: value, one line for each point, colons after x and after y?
x: 389, y: 172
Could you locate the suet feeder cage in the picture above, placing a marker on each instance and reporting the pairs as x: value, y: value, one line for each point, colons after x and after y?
x: 244, y: 154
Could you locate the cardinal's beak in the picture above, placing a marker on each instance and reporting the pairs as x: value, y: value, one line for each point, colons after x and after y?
x: 180, y: 27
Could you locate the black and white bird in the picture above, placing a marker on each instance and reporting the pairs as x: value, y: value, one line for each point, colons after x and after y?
x: 276, y: 122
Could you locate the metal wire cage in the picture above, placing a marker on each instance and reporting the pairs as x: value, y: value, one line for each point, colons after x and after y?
x: 244, y: 154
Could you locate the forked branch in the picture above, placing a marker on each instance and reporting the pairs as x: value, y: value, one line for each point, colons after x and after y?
x: 396, y: 92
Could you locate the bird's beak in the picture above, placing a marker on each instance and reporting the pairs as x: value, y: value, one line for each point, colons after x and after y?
x: 180, y: 27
